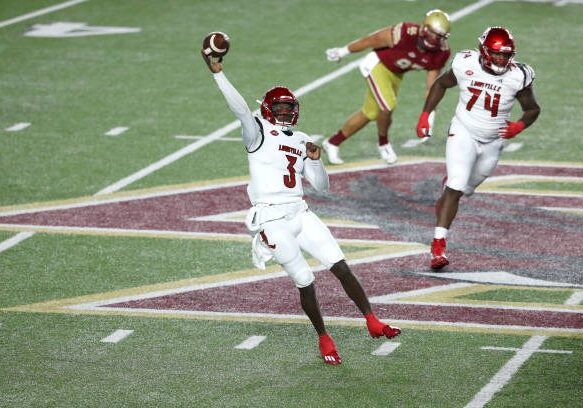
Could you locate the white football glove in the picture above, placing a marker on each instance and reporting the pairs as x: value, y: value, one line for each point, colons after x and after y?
x: 336, y: 54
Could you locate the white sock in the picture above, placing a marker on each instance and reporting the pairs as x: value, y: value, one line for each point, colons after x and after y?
x: 440, y: 232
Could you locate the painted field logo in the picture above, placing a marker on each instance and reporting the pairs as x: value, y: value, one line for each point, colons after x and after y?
x: 514, y: 231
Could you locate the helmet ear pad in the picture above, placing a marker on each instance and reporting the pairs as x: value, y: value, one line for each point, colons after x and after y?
x: 270, y: 110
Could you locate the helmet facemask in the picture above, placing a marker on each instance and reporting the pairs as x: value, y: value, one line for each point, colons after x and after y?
x: 280, y: 107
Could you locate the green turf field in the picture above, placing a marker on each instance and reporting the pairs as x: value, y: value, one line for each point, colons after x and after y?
x: 71, y: 91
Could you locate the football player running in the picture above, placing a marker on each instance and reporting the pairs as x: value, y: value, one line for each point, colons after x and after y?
x: 489, y: 81
x: 282, y: 225
x: 395, y: 50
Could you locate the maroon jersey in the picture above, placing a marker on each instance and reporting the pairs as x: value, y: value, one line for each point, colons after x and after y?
x: 404, y: 55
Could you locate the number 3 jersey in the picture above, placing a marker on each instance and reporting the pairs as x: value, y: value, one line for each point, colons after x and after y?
x: 277, y: 165
x: 486, y: 100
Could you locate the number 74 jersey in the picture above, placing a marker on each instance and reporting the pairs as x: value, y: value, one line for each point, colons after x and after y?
x: 485, y: 99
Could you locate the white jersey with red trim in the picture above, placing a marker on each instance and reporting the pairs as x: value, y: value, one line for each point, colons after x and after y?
x: 277, y: 165
x: 486, y: 100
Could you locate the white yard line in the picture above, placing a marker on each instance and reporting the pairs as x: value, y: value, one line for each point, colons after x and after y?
x: 15, y: 240
x: 18, y: 127
x: 117, y: 336
x: 386, y: 348
x: 506, y: 373
x: 250, y: 343
x: 517, y: 349
x: 503, y: 377
x: 40, y: 12
x: 116, y: 131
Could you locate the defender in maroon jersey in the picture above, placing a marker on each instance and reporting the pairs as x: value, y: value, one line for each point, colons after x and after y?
x: 395, y: 50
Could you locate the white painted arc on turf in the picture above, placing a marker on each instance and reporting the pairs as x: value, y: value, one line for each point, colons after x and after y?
x: 40, y: 12
x: 250, y: 343
x: 505, y: 374
x: 418, y: 292
x: 15, y: 240
x: 482, y: 306
x: 230, y: 282
x: 386, y: 348
x: 117, y: 336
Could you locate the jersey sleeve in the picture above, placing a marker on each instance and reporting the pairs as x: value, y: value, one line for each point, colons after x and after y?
x: 397, y: 33
x: 251, y: 132
x: 457, y: 64
x: 528, y: 74
x: 405, y: 32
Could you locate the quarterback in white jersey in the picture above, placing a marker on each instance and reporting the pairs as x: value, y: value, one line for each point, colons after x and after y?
x: 280, y: 221
x: 489, y: 82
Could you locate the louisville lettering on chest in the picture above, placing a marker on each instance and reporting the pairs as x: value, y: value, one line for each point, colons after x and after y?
x: 484, y: 85
x: 289, y: 149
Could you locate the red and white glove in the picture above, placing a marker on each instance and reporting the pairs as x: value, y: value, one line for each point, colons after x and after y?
x: 423, y: 125
x: 511, y: 129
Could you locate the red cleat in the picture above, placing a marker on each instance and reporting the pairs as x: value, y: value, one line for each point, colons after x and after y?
x: 328, y: 350
x: 377, y: 329
x: 438, y: 257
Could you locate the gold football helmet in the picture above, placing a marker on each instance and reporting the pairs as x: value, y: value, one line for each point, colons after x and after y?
x: 435, y: 29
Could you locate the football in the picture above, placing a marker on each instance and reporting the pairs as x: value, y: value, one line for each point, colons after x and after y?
x: 216, y: 45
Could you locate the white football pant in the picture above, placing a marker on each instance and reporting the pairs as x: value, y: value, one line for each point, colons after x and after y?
x: 468, y: 161
x: 286, y: 237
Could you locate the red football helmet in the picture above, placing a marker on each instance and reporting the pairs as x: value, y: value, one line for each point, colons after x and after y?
x: 280, y: 107
x: 497, y: 49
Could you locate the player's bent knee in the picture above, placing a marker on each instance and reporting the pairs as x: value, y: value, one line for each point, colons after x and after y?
x: 300, y: 272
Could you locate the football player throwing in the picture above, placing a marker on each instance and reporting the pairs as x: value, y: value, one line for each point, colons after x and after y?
x: 279, y: 220
x: 489, y: 82
x: 395, y: 50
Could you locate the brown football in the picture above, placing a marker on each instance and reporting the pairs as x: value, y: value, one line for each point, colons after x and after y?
x: 216, y: 44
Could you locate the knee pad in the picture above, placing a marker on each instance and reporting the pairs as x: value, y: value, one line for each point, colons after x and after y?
x: 300, y: 272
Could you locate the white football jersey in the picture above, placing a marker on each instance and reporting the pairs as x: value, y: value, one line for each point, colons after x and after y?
x: 277, y: 165
x: 486, y: 100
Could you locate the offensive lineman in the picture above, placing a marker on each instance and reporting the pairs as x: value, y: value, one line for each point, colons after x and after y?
x: 280, y: 220
x: 395, y: 50
x: 489, y: 82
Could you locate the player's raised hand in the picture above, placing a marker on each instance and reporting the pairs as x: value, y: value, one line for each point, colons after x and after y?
x: 313, y: 151
x: 336, y: 54
x: 423, y: 125
x: 511, y: 129
x: 215, y: 67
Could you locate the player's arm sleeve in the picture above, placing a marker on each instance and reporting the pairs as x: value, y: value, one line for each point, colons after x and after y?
x: 315, y: 173
x: 528, y: 73
x: 252, y: 136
